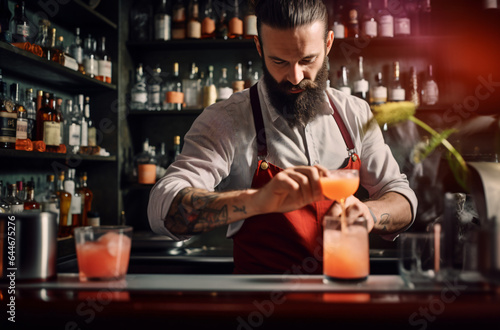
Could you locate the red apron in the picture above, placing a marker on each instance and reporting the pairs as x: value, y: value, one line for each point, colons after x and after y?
x: 283, y: 243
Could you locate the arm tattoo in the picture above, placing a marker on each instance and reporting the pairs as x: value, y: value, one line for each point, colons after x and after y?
x: 194, y: 211
x: 384, y: 220
x: 239, y: 209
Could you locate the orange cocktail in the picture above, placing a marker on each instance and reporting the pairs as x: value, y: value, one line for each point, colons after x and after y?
x: 103, y: 253
x: 339, y: 187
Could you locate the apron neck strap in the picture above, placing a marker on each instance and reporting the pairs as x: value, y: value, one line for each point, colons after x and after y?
x: 258, y: 121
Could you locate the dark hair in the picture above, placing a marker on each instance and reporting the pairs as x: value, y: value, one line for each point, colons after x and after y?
x: 288, y: 14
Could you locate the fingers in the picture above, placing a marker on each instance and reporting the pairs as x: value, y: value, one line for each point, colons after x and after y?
x: 308, y: 178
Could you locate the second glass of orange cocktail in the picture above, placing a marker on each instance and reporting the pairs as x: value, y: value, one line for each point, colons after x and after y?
x: 345, y: 241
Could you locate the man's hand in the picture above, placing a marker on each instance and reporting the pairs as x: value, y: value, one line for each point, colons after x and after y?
x: 290, y: 190
x: 354, y: 209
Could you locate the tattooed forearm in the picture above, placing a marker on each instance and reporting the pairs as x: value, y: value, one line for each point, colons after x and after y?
x: 384, y: 221
x: 239, y: 209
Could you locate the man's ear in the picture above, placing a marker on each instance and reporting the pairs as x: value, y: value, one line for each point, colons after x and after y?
x: 257, y: 45
x: 329, y: 41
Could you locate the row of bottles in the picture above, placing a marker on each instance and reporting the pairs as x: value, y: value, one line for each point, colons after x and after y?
x: 196, y: 90
x: 192, y: 19
x: 45, y: 122
x: 425, y: 93
x: 83, y: 55
x: 356, y: 19
x: 71, y: 199
x: 149, y: 165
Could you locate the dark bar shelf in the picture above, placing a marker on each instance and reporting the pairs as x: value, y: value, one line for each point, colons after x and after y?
x: 148, y: 113
x: 23, y: 63
x: 21, y: 154
x: 196, y: 45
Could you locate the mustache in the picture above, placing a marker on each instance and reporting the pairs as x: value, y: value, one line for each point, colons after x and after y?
x: 305, y: 84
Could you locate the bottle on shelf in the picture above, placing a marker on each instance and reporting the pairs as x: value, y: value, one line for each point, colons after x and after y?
x: 209, y: 89
x: 402, y: 27
x: 42, y: 39
x: 90, y: 64
x: 192, y: 89
x: 378, y: 92
x: 414, y: 94
x: 339, y: 29
x: 208, y: 22
x: 224, y: 88
x: 179, y: 20
x: 55, y: 53
x: 353, y: 20
x: 193, y: 27
x: 369, y: 22
x: 397, y: 92
x: 173, y: 97
x: 50, y: 201
x: 162, y: 161
x: 75, y: 209
x: 48, y: 123
x: 64, y: 207
x: 430, y: 90
x: 104, y: 65
x: 8, y: 119
x: 361, y: 86
x: 385, y: 22
x: 154, y: 90
x: 163, y: 21
x: 344, y: 81
x: 412, y: 10
x: 30, y: 204
x: 5, y: 17
x: 146, y: 165
x: 235, y: 22
x: 15, y: 204
x: 30, y: 107
x: 74, y: 127
x: 20, y: 191
x: 238, y: 82
x: 252, y: 76
x: 139, y: 94
x: 4, y: 205
x: 176, y: 150
x: 222, y: 28
x: 140, y: 16
x: 91, y: 129
x: 21, y: 24
x: 250, y: 23
x: 84, y: 125
x: 87, y: 196
x: 59, y: 111
x: 22, y: 141
x: 76, y: 50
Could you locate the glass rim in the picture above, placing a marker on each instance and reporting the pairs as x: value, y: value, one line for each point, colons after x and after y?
x: 104, y: 228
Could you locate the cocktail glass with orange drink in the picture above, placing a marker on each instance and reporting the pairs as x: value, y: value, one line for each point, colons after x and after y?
x: 103, y: 252
x: 345, y: 243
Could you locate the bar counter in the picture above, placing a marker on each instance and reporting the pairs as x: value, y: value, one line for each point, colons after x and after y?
x: 188, y: 301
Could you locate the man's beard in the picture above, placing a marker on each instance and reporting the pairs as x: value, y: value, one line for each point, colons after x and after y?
x: 297, y: 109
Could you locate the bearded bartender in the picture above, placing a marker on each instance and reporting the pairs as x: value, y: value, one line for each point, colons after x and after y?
x: 253, y: 161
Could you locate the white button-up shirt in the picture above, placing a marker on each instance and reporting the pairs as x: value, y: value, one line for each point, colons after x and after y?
x: 220, y: 151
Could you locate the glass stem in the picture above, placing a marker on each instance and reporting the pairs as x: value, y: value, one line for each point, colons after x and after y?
x: 343, y: 221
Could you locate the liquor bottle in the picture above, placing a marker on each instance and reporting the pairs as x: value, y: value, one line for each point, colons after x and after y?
x: 361, y: 86
x: 163, y: 21
x: 140, y: 20
x: 378, y: 92
x: 22, y: 141
x: 430, y: 91
x: 425, y: 18
x: 252, y: 76
x: 238, y: 82
x: 192, y: 89
x: 15, y: 204
x: 222, y: 28
x: 179, y: 20
x: 154, y: 89
x: 339, y: 29
x: 369, y: 24
x: 5, y: 16
x: 414, y: 94
x: 397, y: 92
x: 250, y: 23
x: 84, y: 125
x: 50, y: 201
x: 172, y: 91
x: 104, y: 65
x: 89, y: 57
x: 42, y: 38
x: 385, y: 22
x: 48, y: 124
x: 8, y: 119
x: 75, y: 210
x: 53, y: 53
x: 76, y: 50
x: 224, y: 89
x: 402, y: 22
x: 146, y: 165
x: 4, y: 205
x: 176, y: 151
x: 59, y: 111
x: 209, y: 90
x: 30, y: 204
x: 21, y: 31
x: 139, y: 94
x: 91, y: 129
x: 30, y: 107
x: 162, y: 161
x: 20, y: 191
x: 208, y: 22
x: 64, y: 207
x: 193, y: 29
x: 235, y: 22
x: 344, y: 81
x: 353, y: 21
x: 412, y: 10
x: 87, y: 196
x: 74, y: 128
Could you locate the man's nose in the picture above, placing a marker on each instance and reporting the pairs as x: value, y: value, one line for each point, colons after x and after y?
x: 295, y: 74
